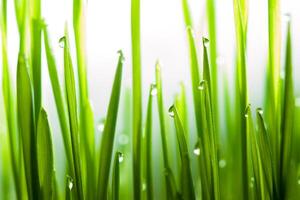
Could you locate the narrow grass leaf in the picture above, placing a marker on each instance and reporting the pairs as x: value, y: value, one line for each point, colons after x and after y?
x: 116, y: 175
x: 108, y: 137
x: 187, y: 189
x: 72, y: 112
x: 45, y: 157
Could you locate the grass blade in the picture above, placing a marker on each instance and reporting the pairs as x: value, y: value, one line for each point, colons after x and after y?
x: 148, y: 146
x: 27, y: 127
x: 107, y: 142
x: 45, y: 157
x: 187, y: 190
x: 170, y: 189
x: 59, y: 98
x: 287, y: 117
x: 137, y: 95
x: 116, y: 175
x: 72, y: 112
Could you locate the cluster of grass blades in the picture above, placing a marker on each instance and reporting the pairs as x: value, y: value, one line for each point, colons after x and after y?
x: 261, y: 156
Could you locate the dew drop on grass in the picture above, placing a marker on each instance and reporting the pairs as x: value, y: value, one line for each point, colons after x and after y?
x: 70, y: 182
x: 123, y: 139
x: 171, y: 111
x: 205, y: 42
x: 62, y: 41
x: 202, y: 85
x: 287, y: 17
x: 144, y: 186
x: 260, y: 111
x: 120, y: 157
x: 100, y: 125
x: 247, y: 110
x: 222, y: 163
x: 298, y: 181
x: 153, y: 90
x: 196, y: 150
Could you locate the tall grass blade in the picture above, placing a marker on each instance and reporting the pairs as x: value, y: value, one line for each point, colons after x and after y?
x: 45, y: 157
x: 148, y: 146
x: 60, y: 101
x: 107, y: 142
x: 27, y: 127
x: 287, y: 117
x: 170, y: 190
x: 187, y: 190
x: 72, y: 112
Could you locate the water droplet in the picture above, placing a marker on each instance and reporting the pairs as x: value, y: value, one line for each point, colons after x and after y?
x: 252, y: 179
x: 62, y: 42
x: 144, y: 186
x: 120, y: 157
x: 120, y: 52
x: 287, y: 17
x: 247, y: 110
x: 196, y: 150
x: 222, y: 163
x: 171, y: 111
x: 153, y: 90
x: 202, y: 85
x: 205, y: 42
x: 100, y: 125
x: 260, y: 111
x: 70, y: 182
x: 123, y: 139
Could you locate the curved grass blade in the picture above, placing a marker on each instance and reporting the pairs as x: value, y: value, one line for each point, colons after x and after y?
x: 59, y: 99
x: 116, y: 176
x: 72, y: 112
x: 187, y: 190
x: 107, y: 142
x: 181, y: 105
x: 27, y: 127
x: 287, y: 117
x: 45, y: 157
x: 148, y: 146
x: 170, y: 189
x: 137, y: 95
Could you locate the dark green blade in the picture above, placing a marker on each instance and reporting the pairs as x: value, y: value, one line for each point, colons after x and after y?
x: 116, y: 175
x: 107, y: 142
x: 45, y: 157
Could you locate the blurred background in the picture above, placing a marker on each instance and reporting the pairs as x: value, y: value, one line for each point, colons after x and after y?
x: 163, y: 37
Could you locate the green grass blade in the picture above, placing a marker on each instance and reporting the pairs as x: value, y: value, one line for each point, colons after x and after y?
x: 170, y: 189
x: 116, y: 176
x: 27, y: 127
x: 137, y: 95
x: 187, y: 189
x: 36, y: 46
x: 287, y: 116
x: 181, y: 106
x: 211, y: 135
x: 59, y: 98
x: 45, y: 157
x: 107, y: 142
x: 186, y: 13
x: 148, y: 146
x: 72, y: 112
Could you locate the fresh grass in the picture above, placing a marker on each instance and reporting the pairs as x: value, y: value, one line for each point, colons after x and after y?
x: 259, y: 159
